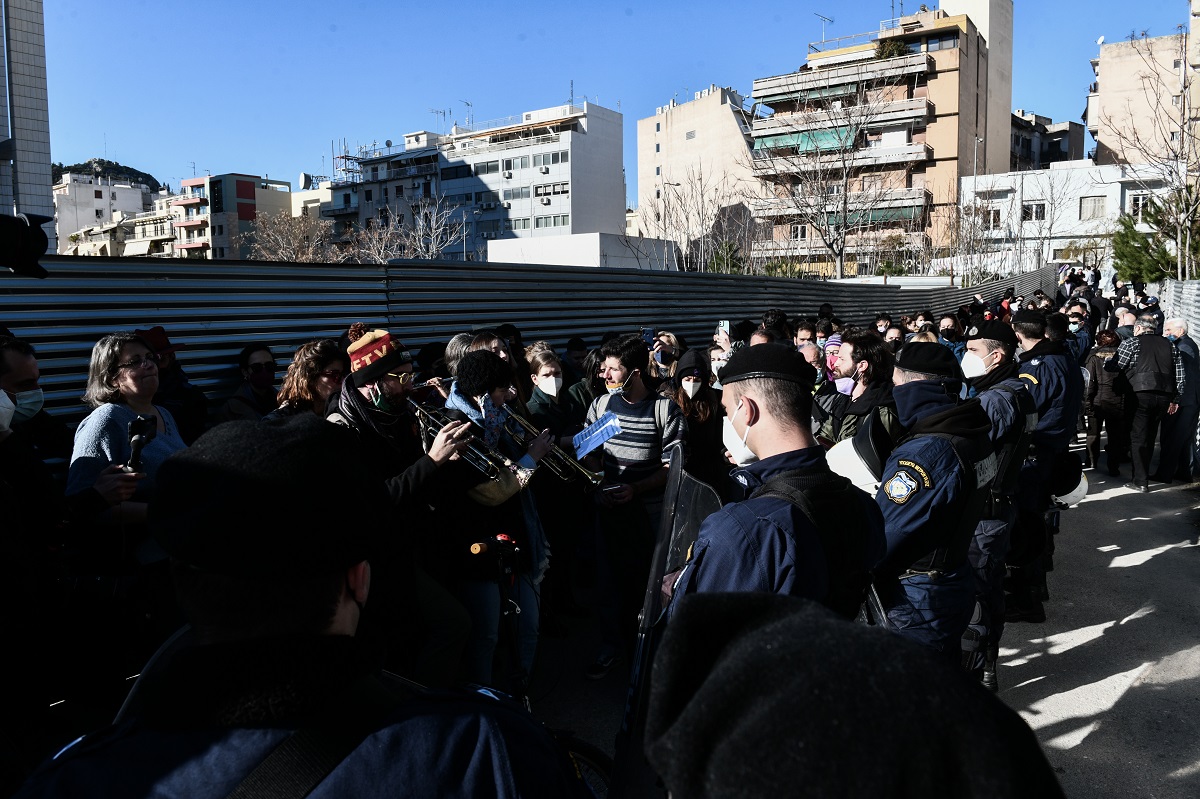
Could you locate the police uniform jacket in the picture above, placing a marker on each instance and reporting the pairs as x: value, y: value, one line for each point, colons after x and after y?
x: 1056, y: 383
x: 767, y: 543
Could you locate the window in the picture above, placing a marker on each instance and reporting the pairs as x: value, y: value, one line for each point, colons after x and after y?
x: 1176, y: 99
x: 913, y: 47
x: 511, y: 164
x: 516, y: 224
x: 657, y: 171
x: 452, y: 173
x: 657, y: 127
x: 991, y: 219
x: 1177, y: 64
x: 1033, y: 212
x: 548, y: 159
x: 374, y: 173
x: 1091, y: 208
x: 551, y: 188
x: 517, y: 194
x: 368, y: 195
x: 1138, y: 205
x: 799, y: 232
x: 691, y: 134
x: 99, y: 194
x: 487, y: 226
x: 385, y: 193
x: 555, y: 220
x: 487, y: 167
x: 658, y: 148
x: 221, y: 228
x: 112, y: 195
x: 220, y: 252
x: 657, y: 196
x: 872, y: 182
x: 99, y: 213
x: 948, y: 42
x: 487, y: 196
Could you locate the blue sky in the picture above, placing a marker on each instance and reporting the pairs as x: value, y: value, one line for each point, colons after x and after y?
x: 264, y: 87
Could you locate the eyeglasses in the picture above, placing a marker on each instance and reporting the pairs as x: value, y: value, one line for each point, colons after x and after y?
x: 145, y: 360
x: 403, y: 377
x: 333, y: 374
x: 255, y: 368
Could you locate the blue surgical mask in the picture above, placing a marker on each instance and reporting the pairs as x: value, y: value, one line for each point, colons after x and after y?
x: 27, y: 404
x: 1172, y: 337
x: 1074, y: 327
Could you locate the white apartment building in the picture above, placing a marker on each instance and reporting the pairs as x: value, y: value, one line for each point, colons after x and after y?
x: 87, y: 201
x: 553, y: 171
x: 1069, y: 209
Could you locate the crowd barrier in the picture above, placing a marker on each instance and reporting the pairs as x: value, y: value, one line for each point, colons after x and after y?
x: 214, y: 308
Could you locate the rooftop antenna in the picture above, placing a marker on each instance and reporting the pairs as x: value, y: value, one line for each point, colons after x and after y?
x: 823, y: 19
x: 571, y: 102
x: 470, y: 116
x: 440, y: 113
x: 193, y: 163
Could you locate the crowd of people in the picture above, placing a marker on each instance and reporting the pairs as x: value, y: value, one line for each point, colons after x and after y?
x: 426, y: 462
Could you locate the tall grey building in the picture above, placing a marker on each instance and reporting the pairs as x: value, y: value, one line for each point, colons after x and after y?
x: 25, y: 184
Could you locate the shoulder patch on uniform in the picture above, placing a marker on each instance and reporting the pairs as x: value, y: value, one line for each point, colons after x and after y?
x: 1029, y: 377
x: 900, y: 488
x: 916, y: 467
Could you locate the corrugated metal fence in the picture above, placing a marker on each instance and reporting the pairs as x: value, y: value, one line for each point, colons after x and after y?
x: 215, y: 308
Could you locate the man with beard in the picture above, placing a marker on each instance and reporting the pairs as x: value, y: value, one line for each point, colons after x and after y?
x: 373, y: 404
x: 868, y: 361
x: 935, y: 485
x: 992, y: 372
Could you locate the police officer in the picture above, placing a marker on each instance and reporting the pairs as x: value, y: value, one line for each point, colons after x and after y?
x: 990, y: 367
x: 1055, y: 382
x: 804, y: 531
x: 934, y: 487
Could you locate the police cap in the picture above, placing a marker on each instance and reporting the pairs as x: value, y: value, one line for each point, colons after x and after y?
x: 929, y: 358
x: 993, y: 330
x: 768, y: 362
x: 1036, y: 317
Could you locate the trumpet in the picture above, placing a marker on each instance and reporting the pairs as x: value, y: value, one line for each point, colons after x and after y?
x: 476, y: 453
x: 557, y: 460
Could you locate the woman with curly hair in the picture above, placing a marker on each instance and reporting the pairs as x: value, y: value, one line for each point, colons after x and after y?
x: 314, y: 375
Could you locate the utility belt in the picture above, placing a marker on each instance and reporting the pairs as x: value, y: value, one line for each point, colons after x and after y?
x: 938, y: 562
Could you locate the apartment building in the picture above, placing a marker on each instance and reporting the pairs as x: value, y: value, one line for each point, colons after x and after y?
x: 1068, y: 210
x: 868, y: 140
x: 1137, y: 105
x: 552, y: 171
x: 211, y: 211
x: 88, y: 201
x: 25, y: 176
x: 693, y: 163
x: 1038, y: 141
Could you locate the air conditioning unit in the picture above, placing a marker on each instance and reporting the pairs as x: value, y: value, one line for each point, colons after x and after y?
x: 508, y: 175
x: 545, y: 170
x: 507, y: 204
x: 545, y: 201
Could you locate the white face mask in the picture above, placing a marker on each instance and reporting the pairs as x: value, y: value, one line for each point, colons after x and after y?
x: 972, y: 365
x: 550, y: 385
x: 741, y: 454
x: 7, y: 408
x: 692, y: 388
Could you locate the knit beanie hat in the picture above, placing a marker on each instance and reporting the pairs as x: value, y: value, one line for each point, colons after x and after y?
x: 373, y: 354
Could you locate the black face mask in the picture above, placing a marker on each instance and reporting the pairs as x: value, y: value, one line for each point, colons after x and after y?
x: 896, y: 345
x: 949, y: 335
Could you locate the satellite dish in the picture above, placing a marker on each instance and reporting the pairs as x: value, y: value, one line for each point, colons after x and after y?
x: 305, y: 181
x: 1100, y: 40
x: 387, y: 143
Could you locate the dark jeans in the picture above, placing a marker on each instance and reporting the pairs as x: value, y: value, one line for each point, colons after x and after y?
x: 1178, y: 443
x: 1148, y: 412
x: 1111, y: 417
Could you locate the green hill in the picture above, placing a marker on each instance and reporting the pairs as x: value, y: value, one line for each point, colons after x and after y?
x: 107, y: 169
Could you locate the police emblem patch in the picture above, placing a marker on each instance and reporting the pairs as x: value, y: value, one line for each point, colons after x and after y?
x: 900, y: 488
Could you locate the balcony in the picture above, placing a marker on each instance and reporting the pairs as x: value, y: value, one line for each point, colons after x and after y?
x: 811, y: 83
x: 877, y: 200
x: 766, y: 165
x: 192, y: 222
x: 870, y: 243
x: 409, y: 172
x: 189, y: 199
x: 863, y: 116
x: 338, y: 209
x: 191, y: 245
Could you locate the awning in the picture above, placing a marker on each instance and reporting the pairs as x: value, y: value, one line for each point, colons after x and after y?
x: 879, y: 215
x: 810, y: 141
x: 137, y: 247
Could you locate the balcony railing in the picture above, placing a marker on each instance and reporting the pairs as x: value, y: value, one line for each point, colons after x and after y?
x: 189, y: 199
x: 781, y: 87
x: 337, y: 209
x: 911, y: 240
x: 864, y: 116
x: 766, y: 164
x: 872, y: 198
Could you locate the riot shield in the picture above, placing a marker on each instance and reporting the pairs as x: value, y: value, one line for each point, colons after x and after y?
x: 687, y: 502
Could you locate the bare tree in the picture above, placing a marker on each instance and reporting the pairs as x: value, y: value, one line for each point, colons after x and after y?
x: 435, y: 228
x: 705, y: 214
x: 1160, y: 133
x: 283, y: 237
x: 380, y: 240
